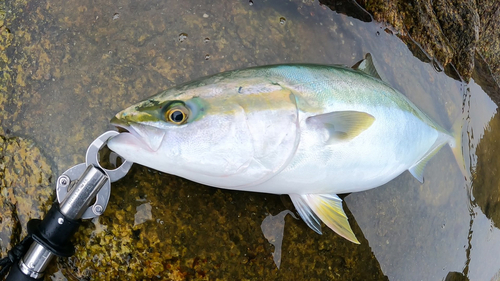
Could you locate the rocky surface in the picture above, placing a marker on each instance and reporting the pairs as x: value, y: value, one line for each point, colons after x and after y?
x: 25, y: 188
x: 449, y: 31
x: 67, y: 66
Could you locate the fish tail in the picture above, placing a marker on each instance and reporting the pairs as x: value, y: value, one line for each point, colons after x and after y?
x: 457, y: 146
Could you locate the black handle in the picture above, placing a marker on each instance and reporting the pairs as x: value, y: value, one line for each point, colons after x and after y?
x: 16, y: 274
x: 51, y: 234
x: 54, y: 232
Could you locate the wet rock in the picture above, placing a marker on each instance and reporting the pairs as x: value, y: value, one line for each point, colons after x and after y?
x: 26, y: 190
x: 449, y: 31
x: 484, y: 78
x: 413, y: 20
x: 350, y: 8
x: 5, y: 77
x: 489, y: 34
x: 459, y: 21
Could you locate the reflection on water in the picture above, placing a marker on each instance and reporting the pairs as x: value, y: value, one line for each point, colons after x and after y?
x: 76, y: 63
x: 485, y: 193
x: 455, y: 276
x: 487, y: 172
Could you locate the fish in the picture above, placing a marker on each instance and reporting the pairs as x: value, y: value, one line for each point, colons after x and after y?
x: 306, y: 130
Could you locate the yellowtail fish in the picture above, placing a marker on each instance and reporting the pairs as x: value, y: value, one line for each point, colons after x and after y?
x: 309, y: 131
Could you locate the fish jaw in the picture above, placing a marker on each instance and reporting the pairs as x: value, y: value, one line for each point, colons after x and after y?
x: 130, y: 143
x: 150, y: 136
x: 129, y: 146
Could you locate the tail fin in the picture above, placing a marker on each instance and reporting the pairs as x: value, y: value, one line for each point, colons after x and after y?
x: 457, y: 147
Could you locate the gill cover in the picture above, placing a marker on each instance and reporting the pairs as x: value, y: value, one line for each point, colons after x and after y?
x: 274, y: 141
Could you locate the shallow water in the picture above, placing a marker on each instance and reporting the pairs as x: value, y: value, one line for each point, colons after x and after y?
x: 76, y: 63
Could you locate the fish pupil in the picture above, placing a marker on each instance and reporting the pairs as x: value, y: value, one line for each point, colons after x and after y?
x: 177, y: 116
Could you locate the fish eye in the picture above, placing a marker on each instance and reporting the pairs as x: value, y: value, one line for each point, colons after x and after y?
x: 177, y: 114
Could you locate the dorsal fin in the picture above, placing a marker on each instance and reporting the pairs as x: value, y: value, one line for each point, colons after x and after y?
x: 367, y: 66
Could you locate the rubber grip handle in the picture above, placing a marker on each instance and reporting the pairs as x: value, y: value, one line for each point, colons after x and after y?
x: 16, y: 274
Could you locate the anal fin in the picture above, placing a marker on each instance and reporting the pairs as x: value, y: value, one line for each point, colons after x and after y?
x: 328, y: 208
x: 417, y: 170
x: 306, y: 213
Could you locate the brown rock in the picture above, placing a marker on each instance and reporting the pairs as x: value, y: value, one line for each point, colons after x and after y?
x: 459, y: 23
x: 489, y: 35
x: 449, y: 31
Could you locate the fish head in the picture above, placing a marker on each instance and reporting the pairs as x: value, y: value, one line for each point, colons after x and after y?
x: 217, y: 135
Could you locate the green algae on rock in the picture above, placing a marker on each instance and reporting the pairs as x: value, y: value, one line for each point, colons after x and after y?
x: 26, y: 190
x: 5, y: 77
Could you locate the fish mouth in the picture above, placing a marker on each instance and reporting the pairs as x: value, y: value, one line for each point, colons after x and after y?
x: 150, y: 136
x: 123, y: 126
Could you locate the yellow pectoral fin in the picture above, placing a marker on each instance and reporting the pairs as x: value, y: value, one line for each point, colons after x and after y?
x: 342, y: 125
x: 328, y: 208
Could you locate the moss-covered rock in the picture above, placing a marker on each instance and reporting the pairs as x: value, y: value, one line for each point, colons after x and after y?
x: 26, y: 190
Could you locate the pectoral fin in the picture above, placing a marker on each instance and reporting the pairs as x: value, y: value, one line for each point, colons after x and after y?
x: 342, y: 125
x: 328, y: 208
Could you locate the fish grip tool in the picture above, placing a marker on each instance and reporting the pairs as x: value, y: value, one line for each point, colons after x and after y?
x: 83, y: 192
